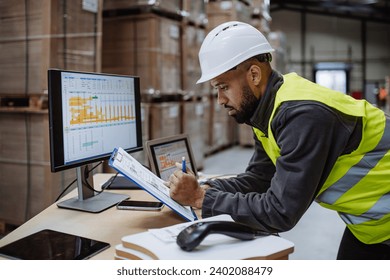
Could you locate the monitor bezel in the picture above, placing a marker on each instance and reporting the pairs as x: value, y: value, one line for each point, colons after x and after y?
x: 57, y: 162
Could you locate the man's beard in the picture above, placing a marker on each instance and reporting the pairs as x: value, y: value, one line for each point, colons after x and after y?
x: 248, y: 105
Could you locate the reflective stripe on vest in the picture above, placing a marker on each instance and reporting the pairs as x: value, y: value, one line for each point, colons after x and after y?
x: 357, y: 172
x: 362, y: 201
x: 354, y: 176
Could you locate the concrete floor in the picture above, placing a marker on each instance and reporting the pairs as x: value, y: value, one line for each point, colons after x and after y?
x: 316, y: 236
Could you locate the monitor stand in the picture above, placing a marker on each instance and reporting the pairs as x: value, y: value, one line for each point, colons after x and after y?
x: 87, y: 200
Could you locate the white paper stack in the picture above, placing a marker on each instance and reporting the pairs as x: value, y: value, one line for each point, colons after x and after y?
x: 161, y: 244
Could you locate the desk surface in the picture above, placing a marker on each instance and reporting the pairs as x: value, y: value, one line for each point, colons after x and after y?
x: 109, y: 226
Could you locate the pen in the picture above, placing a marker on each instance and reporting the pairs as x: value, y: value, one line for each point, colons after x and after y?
x: 183, y: 164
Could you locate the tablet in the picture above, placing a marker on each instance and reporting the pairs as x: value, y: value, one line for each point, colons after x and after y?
x: 52, y: 245
x: 163, y: 153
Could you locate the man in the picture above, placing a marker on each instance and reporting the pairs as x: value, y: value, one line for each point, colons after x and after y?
x: 311, y: 143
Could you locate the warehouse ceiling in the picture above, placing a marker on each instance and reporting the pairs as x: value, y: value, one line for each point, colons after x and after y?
x: 369, y: 10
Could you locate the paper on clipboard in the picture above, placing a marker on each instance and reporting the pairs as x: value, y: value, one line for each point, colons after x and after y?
x: 128, y: 166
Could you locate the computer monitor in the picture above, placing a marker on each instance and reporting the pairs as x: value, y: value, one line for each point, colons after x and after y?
x: 90, y: 114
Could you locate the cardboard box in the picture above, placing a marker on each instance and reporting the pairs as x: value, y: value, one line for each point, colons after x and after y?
x: 194, y: 125
x: 36, y: 36
x: 46, y: 34
x: 222, y: 127
x: 146, y: 45
x: 173, y: 6
x: 193, y: 37
x: 27, y: 185
x: 165, y: 119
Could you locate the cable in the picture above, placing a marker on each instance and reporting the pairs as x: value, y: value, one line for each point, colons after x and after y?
x: 85, y: 177
x: 109, y: 182
x: 84, y: 183
x: 66, y: 188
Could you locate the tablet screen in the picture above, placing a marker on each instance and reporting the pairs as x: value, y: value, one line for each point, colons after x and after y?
x: 52, y: 245
x: 163, y: 153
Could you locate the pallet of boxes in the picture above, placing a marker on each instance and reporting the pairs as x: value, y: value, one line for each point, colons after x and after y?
x: 36, y: 36
x: 224, y: 131
x: 151, y: 39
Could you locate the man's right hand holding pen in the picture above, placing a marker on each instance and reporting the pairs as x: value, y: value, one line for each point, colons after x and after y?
x: 184, y: 187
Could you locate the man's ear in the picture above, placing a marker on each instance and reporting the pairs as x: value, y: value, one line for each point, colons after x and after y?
x: 254, y: 75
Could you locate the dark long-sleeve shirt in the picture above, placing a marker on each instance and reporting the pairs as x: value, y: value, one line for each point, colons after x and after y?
x: 311, y: 137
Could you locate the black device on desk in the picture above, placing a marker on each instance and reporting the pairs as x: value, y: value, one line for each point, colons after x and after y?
x: 190, y: 237
x: 119, y: 183
x: 140, y: 205
x: 53, y: 245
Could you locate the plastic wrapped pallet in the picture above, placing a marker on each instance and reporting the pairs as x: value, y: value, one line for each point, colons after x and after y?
x: 222, y: 11
x: 261, y: 18
x: 277, y: 40
x: 195, y: 11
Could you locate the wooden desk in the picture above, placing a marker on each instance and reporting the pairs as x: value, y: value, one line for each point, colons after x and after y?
x: 110, y: 225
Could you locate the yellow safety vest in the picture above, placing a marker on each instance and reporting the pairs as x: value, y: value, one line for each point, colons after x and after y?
x: 358, y: 187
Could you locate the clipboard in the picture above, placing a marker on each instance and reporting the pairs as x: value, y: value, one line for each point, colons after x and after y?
x: 129, y: 167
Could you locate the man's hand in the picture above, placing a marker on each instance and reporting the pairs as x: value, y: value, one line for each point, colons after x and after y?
x: 184, y: 188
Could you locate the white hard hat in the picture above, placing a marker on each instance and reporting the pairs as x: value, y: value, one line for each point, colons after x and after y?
x: 227, y: 45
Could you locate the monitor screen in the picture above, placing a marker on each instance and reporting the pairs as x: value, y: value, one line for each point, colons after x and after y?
x: 90, y: 114
x: 165, y: 152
